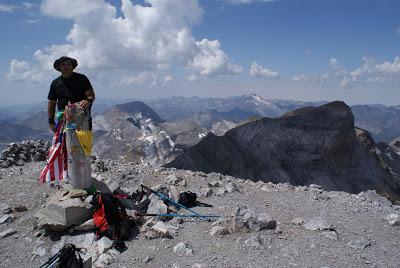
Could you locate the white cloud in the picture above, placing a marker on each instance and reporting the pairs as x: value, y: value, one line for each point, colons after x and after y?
x: 32, y: 21
x: 338, y: 71
x: 333, y: 62
x: 167, y: 79
x: 21, y: 6
x: 7, y: 8
x: 27, y: 5
x: 245, y: 2
x: 300, y: 78
x: 345, y: 82
x: 211, y: 60
x: 193, y: 78
x: 23, y: 71
x: 325, y: 79
x: 259, y: 71
x: 145, y: 79
x: 311, y: 79
x: 368, y: 72
x: 145, y: 37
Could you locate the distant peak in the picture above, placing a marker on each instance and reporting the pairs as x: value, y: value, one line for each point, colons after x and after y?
x: 255, y: 96
x: 258, y: 99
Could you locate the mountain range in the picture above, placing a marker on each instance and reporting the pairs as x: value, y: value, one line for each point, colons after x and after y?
x: 301, y: 143
x: 197, y: 115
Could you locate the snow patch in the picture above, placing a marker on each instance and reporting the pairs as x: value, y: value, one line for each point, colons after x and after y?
x: 260, y: 100
x: 202, y: 135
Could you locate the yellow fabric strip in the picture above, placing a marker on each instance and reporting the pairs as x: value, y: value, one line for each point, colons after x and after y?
x: 85, y: 138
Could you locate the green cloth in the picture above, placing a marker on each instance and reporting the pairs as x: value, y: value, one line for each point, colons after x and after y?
x: 59, y: 115
x: 91, y: 190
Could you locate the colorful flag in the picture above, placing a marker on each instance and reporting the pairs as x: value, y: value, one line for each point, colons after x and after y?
x: 57, y: 163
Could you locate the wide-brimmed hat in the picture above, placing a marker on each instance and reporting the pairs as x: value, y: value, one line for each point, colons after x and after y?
x: 63, y: 59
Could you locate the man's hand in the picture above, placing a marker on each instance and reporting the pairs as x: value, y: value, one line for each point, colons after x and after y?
x: 52, y: 127
x: 84, y: 104
x: 51, y: 109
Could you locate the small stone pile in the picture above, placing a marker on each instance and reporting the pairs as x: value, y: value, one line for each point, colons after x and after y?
x: 26, y: 151
x: 100, y: 166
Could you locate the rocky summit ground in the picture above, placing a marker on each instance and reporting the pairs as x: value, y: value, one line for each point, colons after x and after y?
x: 314, y: 228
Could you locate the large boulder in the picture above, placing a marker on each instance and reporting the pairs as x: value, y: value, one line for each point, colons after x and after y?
x: 161, y: 229
x: 245, y: 219
x: 62, y: 212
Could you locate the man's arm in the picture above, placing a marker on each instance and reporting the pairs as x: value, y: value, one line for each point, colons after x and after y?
x: 90, y: 95
x: 84, y: 104
x: 51, y: 110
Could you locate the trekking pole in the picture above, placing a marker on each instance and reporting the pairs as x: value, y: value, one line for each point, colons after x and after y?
x: 54, y: 264
x: 204, y: 217
x: 59, y: 258
x: 176, y: 215
x: 52, y: 261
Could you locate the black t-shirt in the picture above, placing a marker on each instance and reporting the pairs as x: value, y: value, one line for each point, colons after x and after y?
x: 68, y: 89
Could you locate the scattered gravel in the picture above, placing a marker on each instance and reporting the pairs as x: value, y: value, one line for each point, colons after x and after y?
x: 347, y: 230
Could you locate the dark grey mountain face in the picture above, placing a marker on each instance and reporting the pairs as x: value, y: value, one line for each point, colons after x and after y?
x: 310, y: 145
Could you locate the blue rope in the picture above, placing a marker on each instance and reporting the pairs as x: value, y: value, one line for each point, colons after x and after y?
x: 185, y: 216
x: 180, y: 205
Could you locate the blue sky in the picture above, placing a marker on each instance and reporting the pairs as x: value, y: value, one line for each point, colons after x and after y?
x: 286, y: 49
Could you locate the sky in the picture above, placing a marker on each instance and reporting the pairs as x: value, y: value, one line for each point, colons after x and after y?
x: 307, y: 50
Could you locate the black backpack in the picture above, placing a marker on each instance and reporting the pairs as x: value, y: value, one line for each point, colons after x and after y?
x: 189, y: 200
x: 110, y: 218
x: 67, y: 257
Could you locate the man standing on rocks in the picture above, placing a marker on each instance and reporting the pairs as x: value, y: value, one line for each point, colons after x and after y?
x: 69, y: 87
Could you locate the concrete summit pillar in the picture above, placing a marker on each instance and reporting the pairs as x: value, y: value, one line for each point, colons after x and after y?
x: 79, y: 170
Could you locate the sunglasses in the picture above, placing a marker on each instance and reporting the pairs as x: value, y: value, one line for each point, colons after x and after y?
x: 66, y: 64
